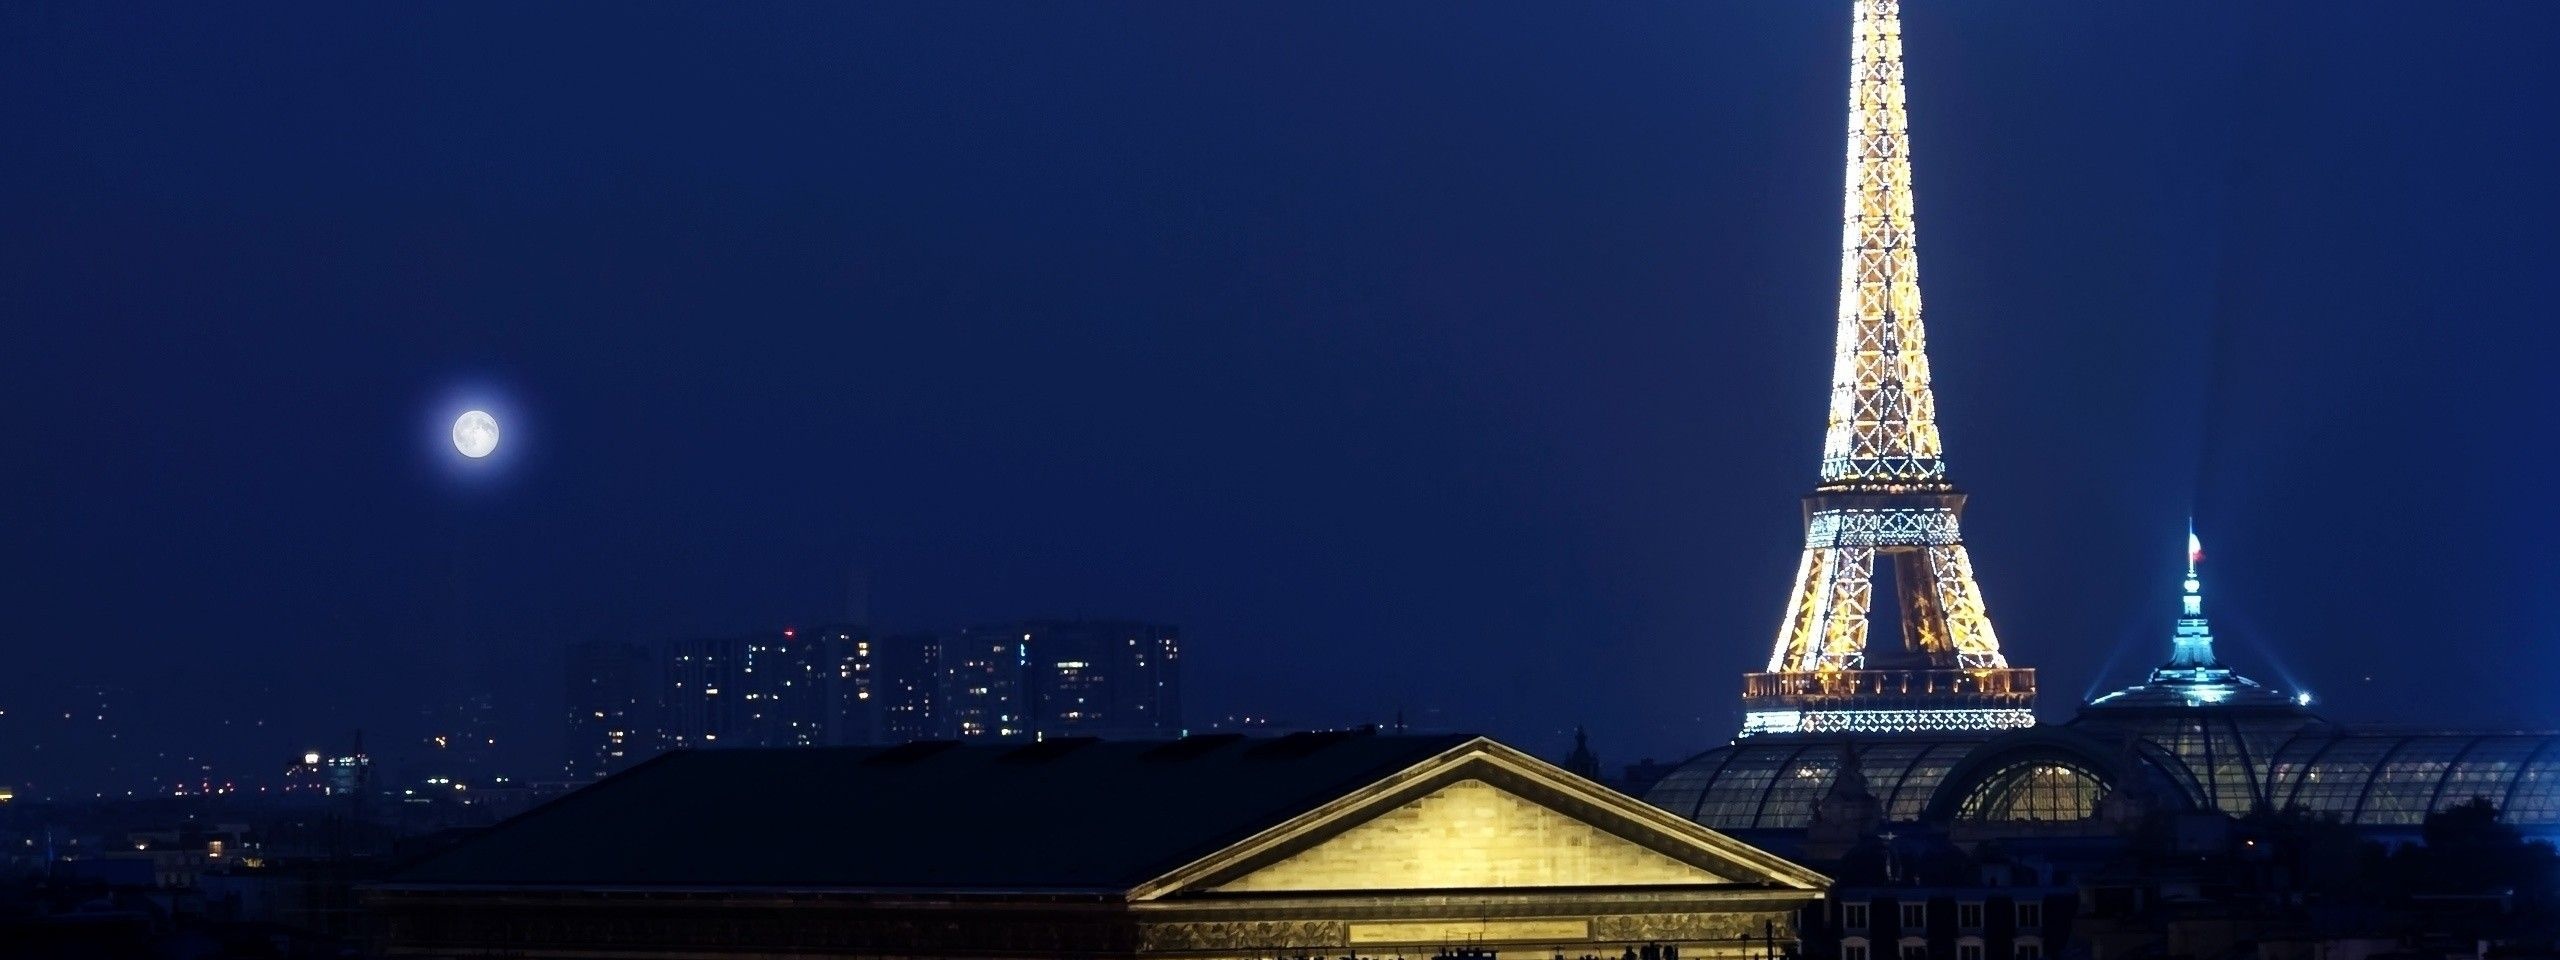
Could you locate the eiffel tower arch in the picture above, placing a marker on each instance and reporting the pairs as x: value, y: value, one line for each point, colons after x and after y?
x: 1882, y: 531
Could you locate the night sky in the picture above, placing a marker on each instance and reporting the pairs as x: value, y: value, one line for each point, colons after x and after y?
x: 1443, y: 357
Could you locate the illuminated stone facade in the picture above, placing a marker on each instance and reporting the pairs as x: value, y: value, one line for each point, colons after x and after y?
x: 1468, y: 834
x: 1407, y: 846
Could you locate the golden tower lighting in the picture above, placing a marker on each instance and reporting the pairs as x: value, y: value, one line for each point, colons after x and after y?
x: 1884, y: 518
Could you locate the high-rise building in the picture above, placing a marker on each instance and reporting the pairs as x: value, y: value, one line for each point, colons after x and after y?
x: 1032, y: 678
x: 839, y: 684
x: 906, y: 685
x: 1106, y: 678
x: 1883, y: 518
x: 981, y: 680
x: 613, y: 708
x: 785, y: 688
x: 461, y: 742
x: 851, y: 670
x: 345, y: 773
x: 701, y: 684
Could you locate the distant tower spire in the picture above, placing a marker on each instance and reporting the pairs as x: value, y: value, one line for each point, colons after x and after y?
x: 1582, y: 761
x: 2192, y: 646
x: 2194, y: 676
x: 1883, y: 518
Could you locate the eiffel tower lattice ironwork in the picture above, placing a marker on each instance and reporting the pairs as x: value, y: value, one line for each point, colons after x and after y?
x: 1883, y: 520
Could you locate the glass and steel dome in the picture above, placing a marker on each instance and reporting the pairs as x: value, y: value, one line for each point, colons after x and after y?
x: 2224, y: 761
x: 2381, y: 780
x: 2051, y: 791
x: 2194, y: 735
x: 2043, y: 775
x: 1770, y: 782
x: 2221, y: 756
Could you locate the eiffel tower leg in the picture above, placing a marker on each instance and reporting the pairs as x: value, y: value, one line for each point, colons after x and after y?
x: 1852, y: 590
x: 1826, y: 625
x: 1798, y: 641
x: 1959, y: 599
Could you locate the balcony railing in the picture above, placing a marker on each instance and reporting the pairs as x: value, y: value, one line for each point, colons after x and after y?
x: 1985, y: 684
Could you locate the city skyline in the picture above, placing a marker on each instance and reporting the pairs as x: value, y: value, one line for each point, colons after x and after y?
x: 620, y: 702
x: 1476, y: 359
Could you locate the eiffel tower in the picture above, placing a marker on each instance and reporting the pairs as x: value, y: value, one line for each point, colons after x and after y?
x: 1884, y: 517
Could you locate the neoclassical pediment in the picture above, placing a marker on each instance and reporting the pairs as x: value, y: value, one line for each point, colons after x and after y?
x: 1469, y: 834
x: 1481, y: 816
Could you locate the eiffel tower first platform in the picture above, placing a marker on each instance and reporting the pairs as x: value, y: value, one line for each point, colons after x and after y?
x: 1883, y: 548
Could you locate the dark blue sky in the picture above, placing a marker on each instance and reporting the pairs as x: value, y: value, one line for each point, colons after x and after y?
x: 1420, y: 355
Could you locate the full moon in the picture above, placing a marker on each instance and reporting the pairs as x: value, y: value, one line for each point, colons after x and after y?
x: 475, y: 434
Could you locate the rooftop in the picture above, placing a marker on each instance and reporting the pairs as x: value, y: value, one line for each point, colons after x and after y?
x: 1067, y: 815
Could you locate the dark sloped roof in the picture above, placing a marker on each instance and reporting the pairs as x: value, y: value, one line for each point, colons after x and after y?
x: 1063, y: 815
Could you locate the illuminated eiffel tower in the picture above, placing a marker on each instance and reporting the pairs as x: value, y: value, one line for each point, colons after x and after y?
x: 1884, y: 518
